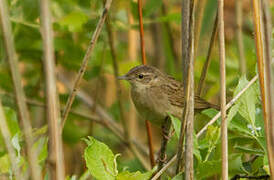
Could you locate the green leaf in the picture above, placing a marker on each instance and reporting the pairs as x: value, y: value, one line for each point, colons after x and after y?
x: 12, y: 121
x: 4, y: 164
x: 210, y: 168
x: 100, y: 160
x: 249, y: 150
x: 196, y: 150
x: 74, y: 21
x: 15, y: 141
x: 247, y: 102
x: 126, y: 175
x: 232, y: 112
x: 178, y: 176
x: 212, y: 136
x: 210, y: 112
x: 176, y: 123
x: 258, y: 163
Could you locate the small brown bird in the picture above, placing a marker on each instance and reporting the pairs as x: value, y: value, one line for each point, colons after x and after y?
x: 155, y: 94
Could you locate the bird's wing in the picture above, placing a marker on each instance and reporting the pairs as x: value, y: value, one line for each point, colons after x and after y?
x: 175, y: 91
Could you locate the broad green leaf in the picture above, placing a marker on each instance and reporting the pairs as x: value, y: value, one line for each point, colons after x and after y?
x: 239, y: 125
x: 176, y: 17
x: 257, y: 164
x: 74, y: 21
x: 176, y: 123
x: 247, y: 102
x: 248, y: 150
x: 43, y: 154
x: 210, y: 168
x: 212, y: 136
x: 4, y: 164
x: 196, y: 150
x: 12, y: 121
x: 100, y: 160
x: 232, y: 112
x: 134, y: 175
x: 210, y: 112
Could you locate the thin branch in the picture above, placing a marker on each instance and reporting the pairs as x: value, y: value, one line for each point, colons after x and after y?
x: 158, y: 174
x: 7, y: 138
x: 188, y: 9
x: 239, y: 21
x: 141, y: 28
x: 116, y: 74
x: 18, y: 89
x: 224, y: 138
x: 85, y: 60
x: 164, y: 168
x: 144, y: 61
x: 208, y: 57
x: 228, y: 105
x: 269, y: 77
x: 55, y: 158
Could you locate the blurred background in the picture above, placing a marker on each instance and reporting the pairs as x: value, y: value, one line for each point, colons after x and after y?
x: 74, y: 22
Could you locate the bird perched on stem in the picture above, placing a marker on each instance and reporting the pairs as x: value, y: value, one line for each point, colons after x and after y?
x: 155, y: 94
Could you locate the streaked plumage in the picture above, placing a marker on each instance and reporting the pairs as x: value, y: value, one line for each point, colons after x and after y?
x: 155, y: 94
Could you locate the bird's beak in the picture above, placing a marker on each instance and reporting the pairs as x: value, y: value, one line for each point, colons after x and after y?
x: 124, y: 77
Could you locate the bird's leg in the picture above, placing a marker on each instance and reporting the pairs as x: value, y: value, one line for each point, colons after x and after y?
x: 165, y: 131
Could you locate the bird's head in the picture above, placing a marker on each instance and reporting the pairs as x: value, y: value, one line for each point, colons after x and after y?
x: 142, y: 76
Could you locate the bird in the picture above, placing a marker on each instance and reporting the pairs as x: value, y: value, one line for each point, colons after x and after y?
x: 156, y: 94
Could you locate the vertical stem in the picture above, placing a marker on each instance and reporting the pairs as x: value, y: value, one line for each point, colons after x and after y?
x: 18, y: 89
x: 189, y: 118
x: 148, y: 125
x: 208, y: 58
x: 265, y: 72
x: 239, y: 21
x: 7, y: 138
x: 55, y: 159
x: 141, y: 26
x: 188, y: 9
x: 269, y: 71
x: 223, y: 90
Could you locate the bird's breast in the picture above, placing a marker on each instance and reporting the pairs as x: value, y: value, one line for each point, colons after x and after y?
x: 150, y: 105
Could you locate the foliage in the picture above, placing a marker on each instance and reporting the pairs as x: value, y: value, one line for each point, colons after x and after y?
x: 74, y: 22
x: 102, y: 163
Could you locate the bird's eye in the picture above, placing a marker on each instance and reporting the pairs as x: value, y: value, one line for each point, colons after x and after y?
x: 140, y: 76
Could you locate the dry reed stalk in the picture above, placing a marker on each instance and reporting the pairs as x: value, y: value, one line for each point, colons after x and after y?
x: 55, y: 157
x: 188, y: 10
x: 208, y: 57
x: 264, y: 71
x: 224, y: 137
x: 23, y: 113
